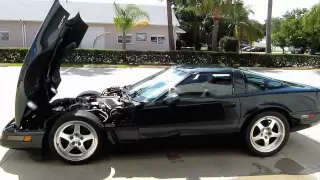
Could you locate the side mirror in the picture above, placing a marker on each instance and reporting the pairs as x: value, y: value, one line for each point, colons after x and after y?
x: 171, y: 98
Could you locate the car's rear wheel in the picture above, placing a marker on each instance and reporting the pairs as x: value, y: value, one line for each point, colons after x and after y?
x: 267, y: 133
x: 76, y: 137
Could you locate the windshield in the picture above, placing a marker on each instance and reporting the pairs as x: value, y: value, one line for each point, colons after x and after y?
x: 153, y: 86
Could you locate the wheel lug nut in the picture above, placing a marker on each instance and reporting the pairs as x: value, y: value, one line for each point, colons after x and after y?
x: 73, y: 143
x: 79, y: 143
x: 81, y: 138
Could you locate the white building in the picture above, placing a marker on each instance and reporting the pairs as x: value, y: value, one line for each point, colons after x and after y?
x: 21, y: 19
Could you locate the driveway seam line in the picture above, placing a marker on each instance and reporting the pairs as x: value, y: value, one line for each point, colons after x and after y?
x: 8, y: 157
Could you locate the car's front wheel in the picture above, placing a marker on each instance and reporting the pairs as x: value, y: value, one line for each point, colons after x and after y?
x: 267, y: 133
x: 76, y: 137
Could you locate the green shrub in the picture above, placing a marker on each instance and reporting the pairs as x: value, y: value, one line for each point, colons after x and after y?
x: 89, y: 56
x: 229, y: 44
x: 15, y: 55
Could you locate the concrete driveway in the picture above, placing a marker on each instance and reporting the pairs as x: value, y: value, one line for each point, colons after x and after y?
x: 213, y: 157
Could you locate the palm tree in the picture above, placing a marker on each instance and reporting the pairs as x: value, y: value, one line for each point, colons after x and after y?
x: 268, y: 25
x: 216, y: 8
x: 170, y: 24
x: 312, y: 18
x: 128, y: 17
x: 244, y: 28
x: 311, y: 23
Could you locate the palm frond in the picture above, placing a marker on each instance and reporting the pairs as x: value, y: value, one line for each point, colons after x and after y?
x: 312, y: 18
x: 127, y: 16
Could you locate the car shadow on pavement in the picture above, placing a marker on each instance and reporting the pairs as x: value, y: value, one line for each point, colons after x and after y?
x: 183, y: 158
x: 88, y: 71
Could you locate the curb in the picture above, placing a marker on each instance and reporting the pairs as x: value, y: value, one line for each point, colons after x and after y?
x: 253, y: 68
x: 152, y: 66
x: 98, y: 66
x: 115, y: 66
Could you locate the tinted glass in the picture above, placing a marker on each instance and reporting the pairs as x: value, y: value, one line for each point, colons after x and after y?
x: 205, y: 85
x: 257, y: 82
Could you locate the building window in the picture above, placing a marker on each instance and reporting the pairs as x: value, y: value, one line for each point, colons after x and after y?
x: 128, y: 39
x: 4, y: 36
x: 141, y: 37
x: 157, y: 39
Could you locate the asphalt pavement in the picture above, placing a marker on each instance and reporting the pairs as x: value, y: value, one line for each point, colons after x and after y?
x: 191, y: 158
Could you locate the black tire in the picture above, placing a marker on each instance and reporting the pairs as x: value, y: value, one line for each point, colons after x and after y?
x: 283, y: 138
x: 89, y: 93
x: 84, y: 117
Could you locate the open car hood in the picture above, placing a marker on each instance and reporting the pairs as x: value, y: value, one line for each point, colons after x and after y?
x: 40, y: 74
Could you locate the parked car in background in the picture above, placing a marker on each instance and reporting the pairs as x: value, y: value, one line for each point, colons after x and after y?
x: 256, y: 49
x: 242, y: 45
x: 297, y: 50
x: 246, y: 48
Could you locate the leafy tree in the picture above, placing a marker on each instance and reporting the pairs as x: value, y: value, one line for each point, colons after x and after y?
x: 295, y: 13
x: 128, y: 17
x: 198, y: 27
x: 290, y: 31
x: 295, y: 33
x: 216, y: 9
x: 193, y: 24
x: 311, y: 24
x: 279, y: 39
x: 245, y: 28
x: 276, y: 24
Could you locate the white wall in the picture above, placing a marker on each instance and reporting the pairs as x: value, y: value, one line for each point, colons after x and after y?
x: 107, y: 41
x: 92, y: 32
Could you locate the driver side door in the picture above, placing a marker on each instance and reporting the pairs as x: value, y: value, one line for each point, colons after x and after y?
x: 207, y: 104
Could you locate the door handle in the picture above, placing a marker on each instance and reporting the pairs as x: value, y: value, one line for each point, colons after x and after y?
x: 230, y: 104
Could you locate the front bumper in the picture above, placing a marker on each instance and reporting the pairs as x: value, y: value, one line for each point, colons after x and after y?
x: 13, y: 138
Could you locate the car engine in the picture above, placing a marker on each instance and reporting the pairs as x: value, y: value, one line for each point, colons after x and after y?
x: 112, y: 106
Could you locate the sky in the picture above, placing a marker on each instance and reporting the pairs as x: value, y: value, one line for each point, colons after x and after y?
x: 258, y: 6
x: 280, y: 7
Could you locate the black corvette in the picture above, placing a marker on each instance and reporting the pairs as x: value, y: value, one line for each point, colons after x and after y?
x: 180, y: 100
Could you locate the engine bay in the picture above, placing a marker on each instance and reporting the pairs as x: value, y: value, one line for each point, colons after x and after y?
x: 112, y: 106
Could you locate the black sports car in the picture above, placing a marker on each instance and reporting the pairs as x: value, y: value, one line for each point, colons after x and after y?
x: 180, y: 100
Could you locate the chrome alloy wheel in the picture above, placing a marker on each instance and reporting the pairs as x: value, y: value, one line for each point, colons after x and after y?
x: 267, y: 134
x: 75, y: 140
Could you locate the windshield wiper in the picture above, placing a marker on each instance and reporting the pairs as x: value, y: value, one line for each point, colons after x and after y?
x: 134, y: 94
x: 127, y: 87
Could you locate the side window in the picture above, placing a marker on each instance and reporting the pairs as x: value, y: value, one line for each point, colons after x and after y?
x: 257, y: 82
x: 205, y: 85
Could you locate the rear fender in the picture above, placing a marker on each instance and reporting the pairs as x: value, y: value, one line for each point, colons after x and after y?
x: 247, y: 117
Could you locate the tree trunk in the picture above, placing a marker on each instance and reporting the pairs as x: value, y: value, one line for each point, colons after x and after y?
x: 170, y: 25
x: 282, y: 50
x: 215, y: 35
x: 124, y: 35
x: 268, y: 25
